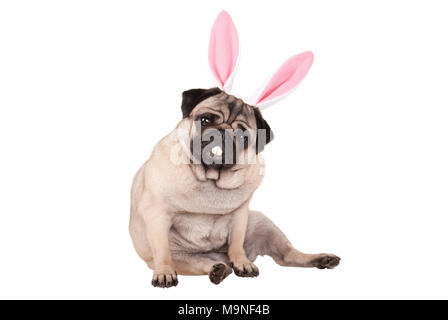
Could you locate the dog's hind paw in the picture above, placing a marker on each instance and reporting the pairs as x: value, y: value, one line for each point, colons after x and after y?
x: 219, y: 272
x: 326, y: 261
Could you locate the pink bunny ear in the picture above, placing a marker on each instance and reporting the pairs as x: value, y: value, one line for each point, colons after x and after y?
x: 284, y: 81
x: 223, y: 50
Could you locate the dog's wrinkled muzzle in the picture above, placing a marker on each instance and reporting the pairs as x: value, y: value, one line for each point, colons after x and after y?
x: 218, y: 148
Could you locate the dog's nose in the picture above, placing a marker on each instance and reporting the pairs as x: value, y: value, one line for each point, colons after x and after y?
x: 219, y: 148
x: 225, y: 151
x: 217, y: 151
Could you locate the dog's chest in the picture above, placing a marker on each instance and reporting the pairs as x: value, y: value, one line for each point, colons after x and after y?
x: 199, y: 232
x: 205, y: 197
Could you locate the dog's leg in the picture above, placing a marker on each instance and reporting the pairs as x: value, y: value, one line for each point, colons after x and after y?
x: 157, y: 225
x: 242, y: 266
x: 263, y: 237
x: 215, y: 265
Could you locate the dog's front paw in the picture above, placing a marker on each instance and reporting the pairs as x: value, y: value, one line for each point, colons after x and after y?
x: 164, y: 277
x: 326, y: 261
x: 244, y: 268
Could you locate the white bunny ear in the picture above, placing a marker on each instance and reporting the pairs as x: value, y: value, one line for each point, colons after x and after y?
x: 284, y: 80
x: 223, y: 51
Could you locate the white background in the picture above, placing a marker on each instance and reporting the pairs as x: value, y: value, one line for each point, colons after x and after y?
x: 358, y: 166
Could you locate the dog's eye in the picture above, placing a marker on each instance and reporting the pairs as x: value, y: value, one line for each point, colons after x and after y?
x: 205, y: 121
x: 242, y: 137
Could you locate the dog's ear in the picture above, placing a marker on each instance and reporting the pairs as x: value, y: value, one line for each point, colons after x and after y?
x: 191, y: 98
x: 264, y: 132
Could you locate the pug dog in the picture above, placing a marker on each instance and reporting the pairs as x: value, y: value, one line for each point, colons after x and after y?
x: 190, y: 201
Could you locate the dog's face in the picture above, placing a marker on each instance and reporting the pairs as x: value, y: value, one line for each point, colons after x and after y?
x: 225, y: 131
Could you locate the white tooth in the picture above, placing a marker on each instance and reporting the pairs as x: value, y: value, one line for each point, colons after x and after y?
x: 217, y: 151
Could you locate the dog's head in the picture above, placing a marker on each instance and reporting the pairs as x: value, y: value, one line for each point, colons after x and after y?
x: 225, y: 131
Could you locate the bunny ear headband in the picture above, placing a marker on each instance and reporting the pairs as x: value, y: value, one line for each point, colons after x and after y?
x: 223, y: 54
